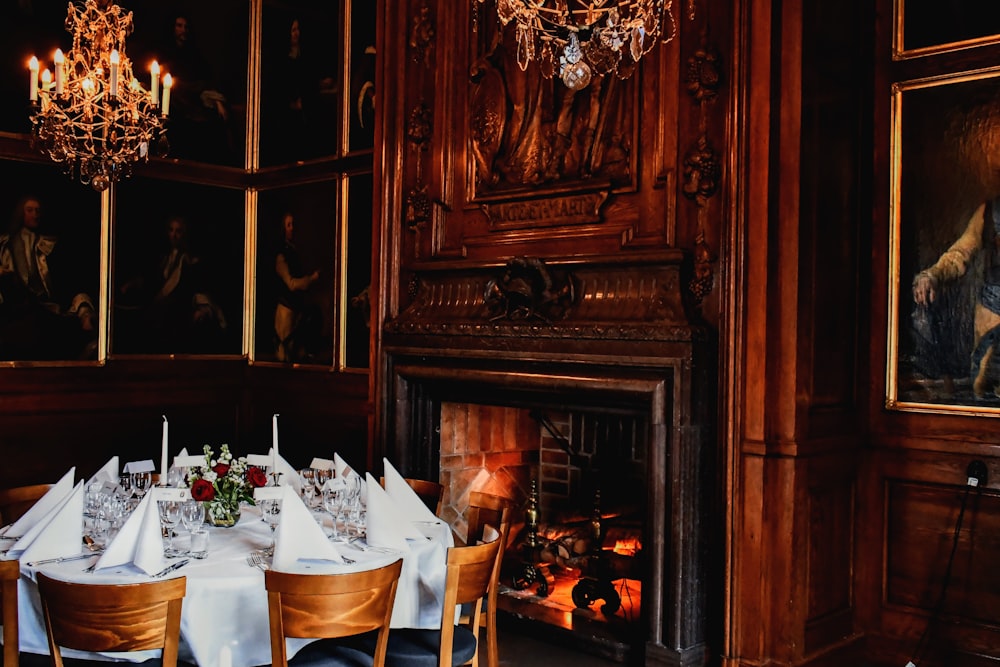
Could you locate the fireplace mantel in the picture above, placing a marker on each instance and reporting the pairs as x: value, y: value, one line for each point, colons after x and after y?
x: 622, y: 341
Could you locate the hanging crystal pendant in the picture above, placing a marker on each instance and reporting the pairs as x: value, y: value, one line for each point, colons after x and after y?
x: 572, y: 52
x: 576, y: 76
x: 525, y: 46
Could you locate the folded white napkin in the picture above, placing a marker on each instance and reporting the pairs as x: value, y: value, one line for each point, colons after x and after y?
x: 386, y: 525
x: 289, y: 475
x: 340, y: 465
x: 108, y: 473
x: 298, y: 536
x: 58, y: 534
x: 140, y: 540
x: 412, y: 507
x: 52, y: 499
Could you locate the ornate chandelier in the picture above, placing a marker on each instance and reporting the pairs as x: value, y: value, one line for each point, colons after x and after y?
x: 95, y: 118
x: 580, y: 38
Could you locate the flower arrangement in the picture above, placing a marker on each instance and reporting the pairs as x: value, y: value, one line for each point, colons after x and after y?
x: 223, y: 483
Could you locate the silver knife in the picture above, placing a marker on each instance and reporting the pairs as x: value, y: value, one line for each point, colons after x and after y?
x: 61, y: 559
x: 171, y: 568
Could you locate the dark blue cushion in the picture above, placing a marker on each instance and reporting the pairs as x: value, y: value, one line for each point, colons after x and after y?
x: 332, y: 652
x: 419, y: 648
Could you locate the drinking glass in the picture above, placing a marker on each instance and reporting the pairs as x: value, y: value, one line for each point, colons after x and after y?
x: 141, y: 481
x: 321, y: 477
x: 270, y: 511
x: 333, y: 501
x: 192, y: 516
x: 170, y: 516
x: 307, y: 478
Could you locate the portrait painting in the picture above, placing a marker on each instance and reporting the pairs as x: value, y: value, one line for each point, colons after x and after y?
x: 50, y: 266
x: 945, y: 273
x: 203, y: 47
x: 300, y: 75
x: 295, y: 315
x: 178, y: 269
x: 360, y: 88
x: 922, y: 26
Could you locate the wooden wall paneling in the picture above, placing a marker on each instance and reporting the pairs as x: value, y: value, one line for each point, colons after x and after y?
x: 320, y: 413
x: 792, y: 580
x: 58, y: 417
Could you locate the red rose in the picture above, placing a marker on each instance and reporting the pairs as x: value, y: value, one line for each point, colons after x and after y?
x: 256, y: 477
x: 220, y: 469
x: 202, y: 490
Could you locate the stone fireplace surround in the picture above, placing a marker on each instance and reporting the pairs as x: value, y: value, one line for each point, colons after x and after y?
x: 624, y: 344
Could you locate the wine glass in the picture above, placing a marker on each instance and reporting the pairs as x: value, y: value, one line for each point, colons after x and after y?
x: 307, y: 477
x: 141, y: 481
x: 170, y: 516
x: 270, y: 511
x: 192, y: 516
x: 333, y: 500
x: 321, y: 477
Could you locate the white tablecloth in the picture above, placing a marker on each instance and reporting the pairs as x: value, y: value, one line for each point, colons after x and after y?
x: 226, y: 603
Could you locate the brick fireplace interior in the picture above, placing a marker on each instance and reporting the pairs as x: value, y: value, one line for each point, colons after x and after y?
x: 589, y: 469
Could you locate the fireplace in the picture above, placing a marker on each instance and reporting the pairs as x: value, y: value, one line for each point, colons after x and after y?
x: 582, y: 405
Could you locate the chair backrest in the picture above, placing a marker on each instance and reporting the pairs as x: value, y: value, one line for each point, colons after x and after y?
x: 487, y: 509
x: 10, y: 572
x: 468, y: 580
x: 432, y: 493
x: 327, y: 606
x: 15, y: 501
x: 112, y: 617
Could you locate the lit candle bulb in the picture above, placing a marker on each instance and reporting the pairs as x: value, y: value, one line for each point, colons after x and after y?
x: 113, y: 80
x: 33, y: 74
x: 167, y: 83
x: 154, y: 88
x: 46, y: 86
x: 60, y: 62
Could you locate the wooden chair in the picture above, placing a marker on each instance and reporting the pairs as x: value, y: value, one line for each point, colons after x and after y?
x: 15, y: 501
x: 432, y: 493
x: 489, y: 510
x: 331, y: 606
x: 469, y: 573
x: 112, y: 617
x: 10, y: 572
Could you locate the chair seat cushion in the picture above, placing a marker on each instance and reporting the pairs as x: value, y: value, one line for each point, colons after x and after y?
x: 419, y: 648
x: 332, y: 652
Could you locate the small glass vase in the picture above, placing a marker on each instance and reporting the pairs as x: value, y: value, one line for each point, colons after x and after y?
x: 222, y: 514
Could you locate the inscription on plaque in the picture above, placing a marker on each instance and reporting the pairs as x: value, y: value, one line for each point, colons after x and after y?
x: 553, y: 212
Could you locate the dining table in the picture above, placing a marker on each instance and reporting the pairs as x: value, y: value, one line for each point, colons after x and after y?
x: 226, y: 605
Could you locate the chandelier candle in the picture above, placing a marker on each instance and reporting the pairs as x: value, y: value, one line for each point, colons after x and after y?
x: 60, y: 62
x: 154, y: 89
x: 113, y: 81
x: 33, y: 82
x: 167, y: 84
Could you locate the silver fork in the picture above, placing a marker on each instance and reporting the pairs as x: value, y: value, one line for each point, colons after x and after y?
x: 257, y: 561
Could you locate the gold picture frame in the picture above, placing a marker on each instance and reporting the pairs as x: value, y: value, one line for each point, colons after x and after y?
x: 945, y: 174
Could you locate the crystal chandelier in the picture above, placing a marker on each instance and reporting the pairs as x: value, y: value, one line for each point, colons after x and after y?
x: 93, y: 116
x: 579, y: 38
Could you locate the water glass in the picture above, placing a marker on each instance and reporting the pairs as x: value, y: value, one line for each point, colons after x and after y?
x: 170, y: 516
x: 192, y: 516
x: 199, y: 542
x: 271, y: 514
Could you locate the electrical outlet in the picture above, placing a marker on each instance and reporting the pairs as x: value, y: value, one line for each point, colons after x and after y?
x: 976, y: 473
